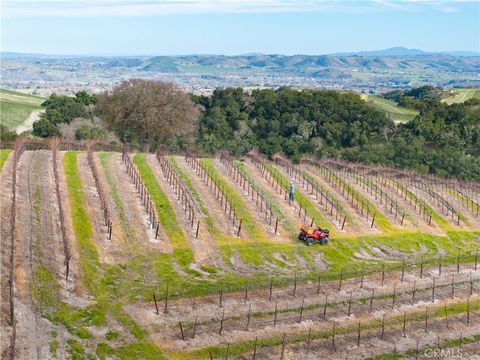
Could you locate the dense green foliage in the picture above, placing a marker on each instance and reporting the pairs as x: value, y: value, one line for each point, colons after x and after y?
x: 442, y: 139
x: 62, y: 109
x: 6, y: 134
x: 414, y: 98
x: 287, y: 120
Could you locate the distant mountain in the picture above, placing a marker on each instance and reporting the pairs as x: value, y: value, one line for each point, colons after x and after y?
x: 369, y: 70
x: 403, y: 51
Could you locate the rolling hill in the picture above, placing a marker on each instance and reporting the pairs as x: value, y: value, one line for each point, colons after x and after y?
x: 398, y: 114
x: 15, y: 107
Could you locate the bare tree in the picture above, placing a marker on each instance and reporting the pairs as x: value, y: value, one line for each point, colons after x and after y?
x: 149, y: 110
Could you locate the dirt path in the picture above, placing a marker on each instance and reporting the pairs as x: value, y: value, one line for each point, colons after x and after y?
x: 5, y: 207
x: 204, y: 248
x: 256, y: 214
x: 28, y: 123
x: 38, y: 246
x: 73, y: 291
x: 129, y: 237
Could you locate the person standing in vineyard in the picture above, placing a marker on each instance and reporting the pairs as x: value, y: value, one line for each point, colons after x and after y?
x: 291, y: 192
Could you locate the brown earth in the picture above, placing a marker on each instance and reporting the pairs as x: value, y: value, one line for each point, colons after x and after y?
x: 204, y: 248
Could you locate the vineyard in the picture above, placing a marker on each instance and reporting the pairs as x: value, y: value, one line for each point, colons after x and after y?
x: 150, y: 256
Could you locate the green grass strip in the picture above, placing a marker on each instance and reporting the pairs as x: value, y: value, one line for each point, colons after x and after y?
x: 165, y: 213
x: 82, y: 227
x: 4, y: 156
x: 127, y: 229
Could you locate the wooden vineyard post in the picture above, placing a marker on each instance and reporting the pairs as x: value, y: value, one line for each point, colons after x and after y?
x: 383, y: 274
x: 476, y: 259
x: 468, y: 311
x: 433, y: 290
x: 248, y: 316
x: 325, y: 307
x: 195, y: 327
x: 271, y: 289
x: 245, y: 297
x: 165, y: 309
x: 446, y: 312
x: 333, y: 336
x: 220, y: 301
x: 301, y: 310
x: 282, y: 353
x: 350, y: 304
x: 198, y: 227
x: 471, y: 284
x: 155, y: 301
x: 181, y: 330
x: 414, y: 290
x: 358, y: 337
x: 276, y: 226
x: 226, y: 351
x: 421, y: 268
x: 255, y: 348
x: 373, y: 220
x: 275, y: 314
x: 403, y: 270
x: 340, y: 281
x: 295, y: 285
x: 403, y: 218
x: 239, y: 228
x: 318, y: 284
x: 221, y: 323
x: 309, y: 340
x: 394, y: 295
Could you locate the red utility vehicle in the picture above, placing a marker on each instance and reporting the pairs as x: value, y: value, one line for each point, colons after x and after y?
x: 312, y: 235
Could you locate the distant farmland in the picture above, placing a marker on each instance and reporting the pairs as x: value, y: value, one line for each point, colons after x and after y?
x: 462, y: 95
x: 17, y: 107
x: 398, y: 114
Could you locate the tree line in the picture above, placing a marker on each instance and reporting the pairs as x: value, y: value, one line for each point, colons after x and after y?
x: 443, y: 139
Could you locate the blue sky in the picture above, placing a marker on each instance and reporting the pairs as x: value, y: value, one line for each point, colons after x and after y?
x: 173, y: 27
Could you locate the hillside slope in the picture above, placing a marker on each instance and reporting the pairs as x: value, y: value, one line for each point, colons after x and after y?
x: 15, y: 107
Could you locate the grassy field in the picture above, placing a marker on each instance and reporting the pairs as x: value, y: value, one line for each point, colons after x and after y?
x: 15, y: 107
x: 461, y: 95
x: 4, y: 156
x: 398, y: 114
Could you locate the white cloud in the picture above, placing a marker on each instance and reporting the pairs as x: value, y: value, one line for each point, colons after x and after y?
x: 127, y: 8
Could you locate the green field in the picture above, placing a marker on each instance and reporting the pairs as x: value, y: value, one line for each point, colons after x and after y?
x: 461, y: 95
x: 15, y: 107
x: 398, y: 114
